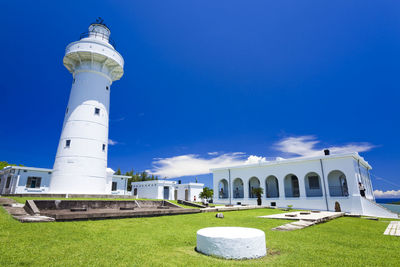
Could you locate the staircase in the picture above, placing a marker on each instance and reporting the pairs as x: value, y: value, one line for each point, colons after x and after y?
x: 371, y: 208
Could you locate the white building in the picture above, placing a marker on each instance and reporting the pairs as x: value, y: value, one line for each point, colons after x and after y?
x: 306, y: 183
x: 164, y: 189
x: 80, y: 165
x: 29, y: 180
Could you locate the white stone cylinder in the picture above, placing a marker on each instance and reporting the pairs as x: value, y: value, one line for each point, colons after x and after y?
x: 231, y: 242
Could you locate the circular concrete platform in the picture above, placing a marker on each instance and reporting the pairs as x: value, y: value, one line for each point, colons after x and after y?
x: 231, y: 242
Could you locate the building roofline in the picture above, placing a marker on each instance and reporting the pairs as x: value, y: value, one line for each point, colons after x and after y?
x: 26, y: 168
x: 354, y: 155
x: 121, y: 176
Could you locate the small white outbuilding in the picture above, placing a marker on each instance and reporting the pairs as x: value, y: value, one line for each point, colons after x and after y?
x: 165, y: 189
x: 30, y: 180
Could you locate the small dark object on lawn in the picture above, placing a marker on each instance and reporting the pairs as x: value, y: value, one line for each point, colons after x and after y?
x: 219, y: 215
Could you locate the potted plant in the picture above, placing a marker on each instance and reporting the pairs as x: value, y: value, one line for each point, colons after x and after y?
x: 258, y: 191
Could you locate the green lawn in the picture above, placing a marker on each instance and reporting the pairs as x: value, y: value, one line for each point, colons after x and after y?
x: 170, y: 241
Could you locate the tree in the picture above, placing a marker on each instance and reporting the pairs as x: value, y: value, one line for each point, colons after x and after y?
x: 4, y: 164
x: 118, y: 172
x: 207, y: 193
x: 258, y: 191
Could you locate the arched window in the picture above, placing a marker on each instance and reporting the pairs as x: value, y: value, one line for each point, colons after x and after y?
x: 135, y: 191
x: 223, y: 191
x: 253, y: 183
x: 238, y: 191
x: 312, y: 182
x: 337, y: 184
x: 272, y: 187
x: 292, y: 186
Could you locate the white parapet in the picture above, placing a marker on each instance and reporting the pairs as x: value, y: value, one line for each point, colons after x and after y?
x: 231, y: 242
x: 81, y: 160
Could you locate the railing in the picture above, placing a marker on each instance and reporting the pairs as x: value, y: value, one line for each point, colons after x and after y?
x: 338, y: 191
x: 98, y: 35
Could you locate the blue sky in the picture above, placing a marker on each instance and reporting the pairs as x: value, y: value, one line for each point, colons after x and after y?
x: 205, y: 80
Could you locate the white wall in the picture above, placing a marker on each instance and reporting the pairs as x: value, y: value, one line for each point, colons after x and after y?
x: 19, y: 178
x: 153, y: 189
x: 122, y: 184
x: 346, y: 164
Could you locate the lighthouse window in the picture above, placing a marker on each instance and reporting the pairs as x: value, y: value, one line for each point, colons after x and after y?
x: 107, y: 87
x: 96, y: 111
x: 104, y: 147
x: 67, y: 143
x: 66, y: 110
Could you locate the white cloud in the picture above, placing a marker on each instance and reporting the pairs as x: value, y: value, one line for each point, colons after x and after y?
x: 387, y: 194
x: 191, y: 164
x: 306, y: 146
x: 112, y: 142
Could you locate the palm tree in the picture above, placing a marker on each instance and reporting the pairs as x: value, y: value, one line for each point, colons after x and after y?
x: 258, y: 191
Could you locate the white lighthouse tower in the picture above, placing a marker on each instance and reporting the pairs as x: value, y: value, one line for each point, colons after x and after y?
x: 81, y: 161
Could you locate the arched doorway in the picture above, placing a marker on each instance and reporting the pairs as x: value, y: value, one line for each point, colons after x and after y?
x: 186, y: 195
x: 337, y: 184
x: 272, y: 187
x: 292, y: 186
x: 238, y: 191
x: 312, y: 183
x: 253, y: 183
x: 223, y: 191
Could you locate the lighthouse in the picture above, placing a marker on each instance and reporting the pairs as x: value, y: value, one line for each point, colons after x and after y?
x: 80, y: 165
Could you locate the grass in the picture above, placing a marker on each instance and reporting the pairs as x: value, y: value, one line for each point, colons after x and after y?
x: 170, y: 241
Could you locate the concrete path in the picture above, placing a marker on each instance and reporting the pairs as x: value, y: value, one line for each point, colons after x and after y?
x: 303, y: 219
x: 17, y: 211
x: 393, y: 228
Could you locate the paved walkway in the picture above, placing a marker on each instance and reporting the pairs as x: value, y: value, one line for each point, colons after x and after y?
x: 393, y: 228
x: 17, y: 211
x: 303, y: 219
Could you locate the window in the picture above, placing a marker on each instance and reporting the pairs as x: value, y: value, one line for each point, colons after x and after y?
x: 73, y: 81
x: 8, y: 182
x: 33, y: 182
x: 96, y: 111
x: 104, y: 147
x: 313, y: 182
x: 107, y: 87
x: 66, y: 111
x: 67, y: 143
x: 114, y: 186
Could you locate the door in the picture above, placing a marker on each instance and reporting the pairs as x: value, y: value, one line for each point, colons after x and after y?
x: 166, y: 192
x: 176, y: 194
x: 186, y: 195
x: 295, y: 187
